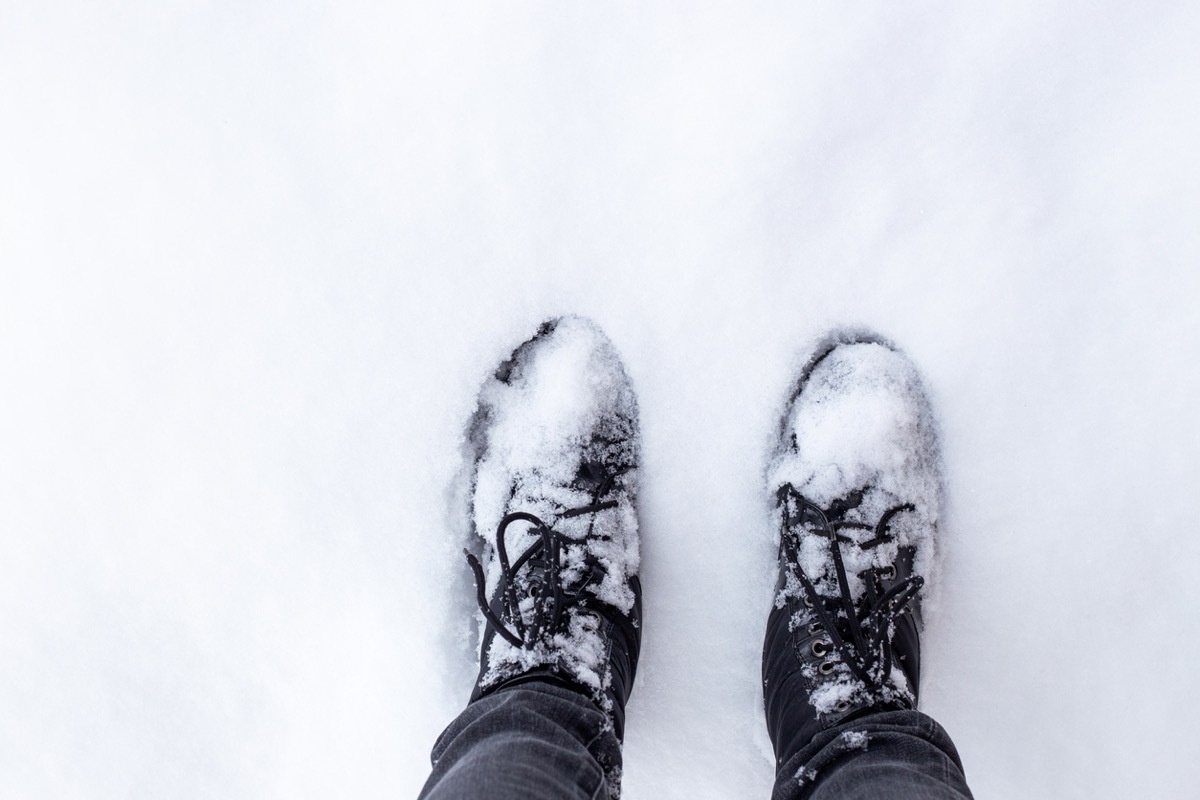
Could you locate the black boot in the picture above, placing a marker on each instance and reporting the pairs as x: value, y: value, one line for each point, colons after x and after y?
x: 556, y: 447
x: 857, y: 490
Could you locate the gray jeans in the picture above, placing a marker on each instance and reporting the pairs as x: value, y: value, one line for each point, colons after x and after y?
x: 542, y: 741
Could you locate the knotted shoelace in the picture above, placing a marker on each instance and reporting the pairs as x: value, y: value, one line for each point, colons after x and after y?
x: 542, y: 580
x: 861, y: 636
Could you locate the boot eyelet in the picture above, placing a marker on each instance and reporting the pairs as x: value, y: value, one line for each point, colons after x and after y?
x: 815, y: 627
x: 825, y: 668
x: 888, y: 572
x: 842, y: 706
x: 819, y: 649
x: 808, y: 603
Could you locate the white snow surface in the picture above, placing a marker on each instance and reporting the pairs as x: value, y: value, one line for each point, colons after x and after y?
x: 257, y: 257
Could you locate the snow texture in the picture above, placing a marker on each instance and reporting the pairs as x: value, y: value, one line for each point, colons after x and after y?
x: 804, y: 776
x: 255, y: 259
x: 855, y: 740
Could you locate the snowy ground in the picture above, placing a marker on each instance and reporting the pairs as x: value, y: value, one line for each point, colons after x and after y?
x: 257, y: 257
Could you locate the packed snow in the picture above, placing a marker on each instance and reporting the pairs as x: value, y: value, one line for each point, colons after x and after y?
x: 257, y: 259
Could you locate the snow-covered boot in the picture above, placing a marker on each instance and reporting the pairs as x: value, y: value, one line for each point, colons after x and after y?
x: 856, y: 483
x: 555, y: 444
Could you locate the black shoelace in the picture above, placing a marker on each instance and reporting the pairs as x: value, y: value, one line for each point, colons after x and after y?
x: 861, y: 637
x: 542, y: 581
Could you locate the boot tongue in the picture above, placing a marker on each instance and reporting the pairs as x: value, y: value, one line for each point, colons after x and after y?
x: 591, y: 475
x: 839, y: 507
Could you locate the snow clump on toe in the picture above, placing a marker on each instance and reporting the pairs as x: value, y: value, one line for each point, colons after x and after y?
x: 860, y: 433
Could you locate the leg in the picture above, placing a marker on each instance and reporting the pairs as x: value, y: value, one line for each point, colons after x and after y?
x: 533, y: 740
x: 894, y: 755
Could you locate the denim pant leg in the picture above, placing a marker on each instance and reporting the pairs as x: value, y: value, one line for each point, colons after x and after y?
x: 534, y: 740
x: 894, y: 755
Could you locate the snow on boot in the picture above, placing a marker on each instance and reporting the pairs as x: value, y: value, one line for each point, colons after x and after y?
x: 857, y: 488
x: 555, y: 444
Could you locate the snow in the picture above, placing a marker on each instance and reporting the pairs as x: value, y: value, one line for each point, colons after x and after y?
x: 805, y: 775
x: 855, y: 740
x: 857, y: 446
x: 256, y: 261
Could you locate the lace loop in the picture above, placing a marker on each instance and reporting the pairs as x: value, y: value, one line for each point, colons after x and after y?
x: 542, y: 583
x: 860, y: 636
x: 542, y: 580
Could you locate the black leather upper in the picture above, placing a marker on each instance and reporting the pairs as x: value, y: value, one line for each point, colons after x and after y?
x: 791, y: 668
x: 624, y: 636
